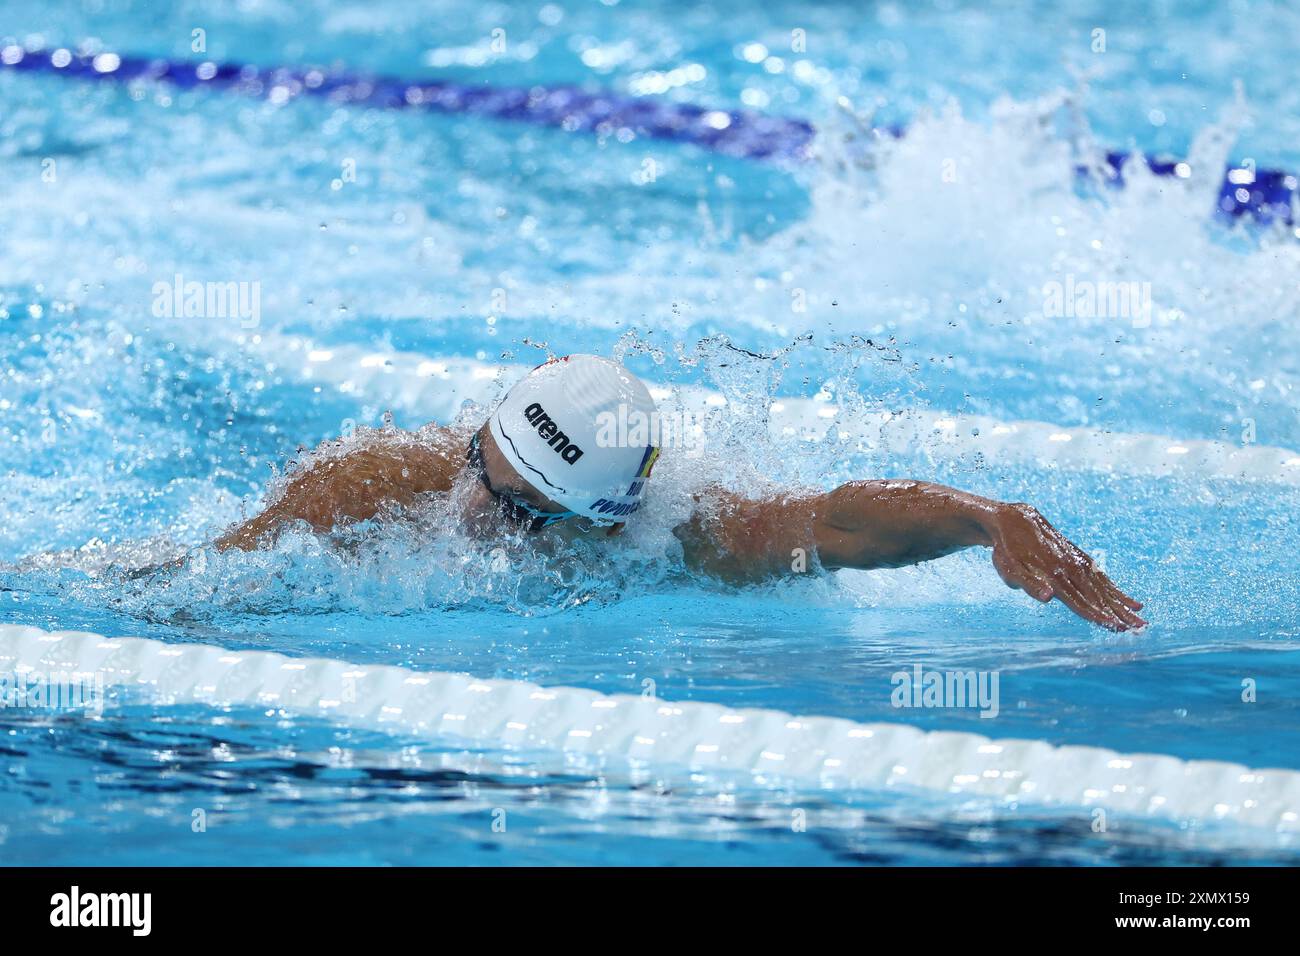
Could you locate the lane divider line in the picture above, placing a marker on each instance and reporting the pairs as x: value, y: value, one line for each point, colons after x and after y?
x: 419, y: 385
x: 1260, y: 194
x: 822, y: 752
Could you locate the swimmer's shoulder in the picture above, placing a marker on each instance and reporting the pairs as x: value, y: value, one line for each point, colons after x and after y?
x: 449, y: 441
x: 390, y: 463
x: 424, y: 460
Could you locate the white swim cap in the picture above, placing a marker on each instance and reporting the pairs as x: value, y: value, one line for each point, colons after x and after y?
x: 582, y: 431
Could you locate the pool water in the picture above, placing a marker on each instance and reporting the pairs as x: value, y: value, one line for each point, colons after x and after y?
x: 402, y: 258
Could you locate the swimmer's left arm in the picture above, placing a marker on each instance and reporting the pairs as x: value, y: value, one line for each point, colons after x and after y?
x: 893, y: 523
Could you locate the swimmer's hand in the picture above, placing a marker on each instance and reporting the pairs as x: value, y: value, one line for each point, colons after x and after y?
x: 1034, y: 557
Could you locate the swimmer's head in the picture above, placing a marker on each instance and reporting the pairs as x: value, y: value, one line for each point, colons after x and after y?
x: 579, y: 431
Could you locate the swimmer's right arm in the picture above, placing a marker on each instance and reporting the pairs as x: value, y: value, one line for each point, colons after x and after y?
x: 321, y: 498
x: 355, y: 487
x: 893, y: 523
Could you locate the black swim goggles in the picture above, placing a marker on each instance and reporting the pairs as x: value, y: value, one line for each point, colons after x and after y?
x: 513, y: 509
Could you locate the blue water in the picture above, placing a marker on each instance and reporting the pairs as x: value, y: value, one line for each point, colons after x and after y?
x: 126, y: 437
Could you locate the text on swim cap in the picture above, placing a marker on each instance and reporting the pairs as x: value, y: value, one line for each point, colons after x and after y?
x: 604, y: 506
x: 551, y: 433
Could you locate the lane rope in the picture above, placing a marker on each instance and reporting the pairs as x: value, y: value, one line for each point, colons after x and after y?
x: 1263, y: 195
x: 775, y: 747
x: 436, y: 388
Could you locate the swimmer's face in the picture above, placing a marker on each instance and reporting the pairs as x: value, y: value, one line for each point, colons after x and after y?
x: 501, y: 492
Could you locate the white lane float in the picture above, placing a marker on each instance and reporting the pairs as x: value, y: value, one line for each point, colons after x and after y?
x: 816, y: 752
x: 422, y: 386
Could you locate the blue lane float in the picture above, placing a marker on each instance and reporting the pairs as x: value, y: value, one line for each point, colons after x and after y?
x: 748, y: 135
x: 1265, y: 195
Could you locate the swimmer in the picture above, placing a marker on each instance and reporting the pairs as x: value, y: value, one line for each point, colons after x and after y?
x: 539, y: 463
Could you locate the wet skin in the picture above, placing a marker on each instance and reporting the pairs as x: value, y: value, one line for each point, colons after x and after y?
x: 863, y: 524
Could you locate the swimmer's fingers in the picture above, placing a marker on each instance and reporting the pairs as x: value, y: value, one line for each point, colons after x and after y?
x: 1067, y: 592
x: 1033, y: 556
x: 1106, y: 590
x: 1123, y: 598
x: 1081, y: 598
x: 1084, y: 600
x: 1077, y: 598
x: 1091, y: 583
x: 1078, y: 570
x: 1119, y: 597
x: 1099, y: 577
x: 1123, y: 605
